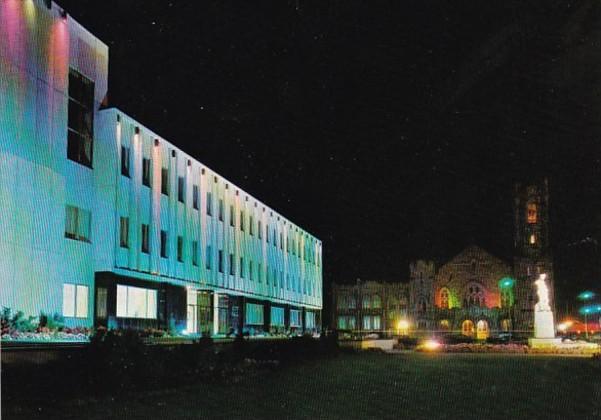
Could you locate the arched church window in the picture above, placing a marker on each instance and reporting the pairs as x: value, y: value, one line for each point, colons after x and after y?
x: 532, y: 213
x: 444, y: 298
x: 467, y: 328
x: 366, y: 302
x: 422, y: 305
x: 475, y: 295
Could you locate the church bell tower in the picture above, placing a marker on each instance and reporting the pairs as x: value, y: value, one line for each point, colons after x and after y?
x: 532, y: 250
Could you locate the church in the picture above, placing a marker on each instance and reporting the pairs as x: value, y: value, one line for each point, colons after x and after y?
x: 474, y: 294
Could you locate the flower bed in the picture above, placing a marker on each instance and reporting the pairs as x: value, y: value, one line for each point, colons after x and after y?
x: 576, y: 348
x: 48, y: 336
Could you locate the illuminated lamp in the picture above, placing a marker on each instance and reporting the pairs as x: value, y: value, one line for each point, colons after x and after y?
x: 431, y: 345
x: 506, y: 282
x: 586, y: 295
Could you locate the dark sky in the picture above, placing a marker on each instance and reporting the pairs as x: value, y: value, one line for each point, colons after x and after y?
x: 391, y: 130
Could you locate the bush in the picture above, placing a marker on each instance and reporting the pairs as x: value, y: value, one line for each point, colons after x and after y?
x: 12, y: 324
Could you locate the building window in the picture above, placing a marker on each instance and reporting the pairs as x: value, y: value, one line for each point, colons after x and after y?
x: 195, y: 253
x: 75, y: 301
x: 250, y: 225
x: 124, y: 232
x: 232, y: 265
x: 254, y: 314
x: 475, y: 296
x: 277, y: 316
x: 376, y: 302
x: 220, y: 261
x: 195, y: 196
x: 145, y: 238
x: 180, y: 249
x: 259, y: 231
x: 77, y: 224
x: 366, y: 302
x: 532, y: 213
x: 467, y: 328
x: 136, y: 302
x: 146, y: 172
x: 181, y: 189
x: 532, y: 239
x: 444, y: 298
x: 221, y: 210
x: 241, y: 267
x: 250, y: 270
x: 295, y: 318
x: 125, y: 161
x: 209, y: 204
x: 165, y: 181
x: 260, y: 272
x: 232, y: 221
x: 80, y: 124
x: 209, y: 257
x: 242, y: 220
x: 164, y: 244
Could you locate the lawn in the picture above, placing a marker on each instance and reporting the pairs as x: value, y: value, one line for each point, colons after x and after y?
x: 359, y: 386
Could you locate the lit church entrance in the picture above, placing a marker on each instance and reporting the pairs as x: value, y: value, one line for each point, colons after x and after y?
x: 482, y: 330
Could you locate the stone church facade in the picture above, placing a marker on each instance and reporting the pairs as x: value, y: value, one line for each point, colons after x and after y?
x: 474, y: 294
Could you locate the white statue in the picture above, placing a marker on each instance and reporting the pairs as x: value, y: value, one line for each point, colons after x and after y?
x: 543, y: 294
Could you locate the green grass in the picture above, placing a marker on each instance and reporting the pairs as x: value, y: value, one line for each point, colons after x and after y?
x: 410, y: 386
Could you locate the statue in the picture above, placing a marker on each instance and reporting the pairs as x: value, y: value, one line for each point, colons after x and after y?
x: 544, y: 326
x: 543, y: 294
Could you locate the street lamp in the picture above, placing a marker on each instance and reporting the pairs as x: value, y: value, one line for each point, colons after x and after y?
x: 586, y: 296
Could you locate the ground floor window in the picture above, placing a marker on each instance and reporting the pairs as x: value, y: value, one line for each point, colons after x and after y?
x: 346, y: 322
x: 254, y: 314
x: 310, y: 319
x: 444, y: 324
x: 277, y: 316
x: 467, y: 328
x: 505, y: 325
x: 482, y: 330
x: 371, y: 322
x: 75, y: 300
x: 136, y: 302
x: 295, y: 318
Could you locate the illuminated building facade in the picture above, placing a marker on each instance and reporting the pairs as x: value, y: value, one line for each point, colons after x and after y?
x: 106, y: 223
x: 474, y: 294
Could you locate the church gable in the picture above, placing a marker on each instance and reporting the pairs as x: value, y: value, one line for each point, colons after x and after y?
x: 471, y: 278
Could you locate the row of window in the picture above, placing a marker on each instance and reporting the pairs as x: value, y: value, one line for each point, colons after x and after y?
x: 290, y: 245
x: 370, y: 323
x: 350, y: 302
x: 245, y: 266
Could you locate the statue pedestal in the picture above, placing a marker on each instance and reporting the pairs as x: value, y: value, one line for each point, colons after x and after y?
x: 544, y: 330
x: 537, y: 343
x: 544, y: 326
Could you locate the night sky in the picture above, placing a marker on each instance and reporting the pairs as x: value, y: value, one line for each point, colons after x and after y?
x: 390, y: 130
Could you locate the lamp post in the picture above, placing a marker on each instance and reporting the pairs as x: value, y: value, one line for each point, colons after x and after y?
x: 585, y: 297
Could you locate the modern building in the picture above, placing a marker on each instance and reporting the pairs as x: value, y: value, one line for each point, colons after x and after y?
x: 106, y: 223
x: 474, y: 294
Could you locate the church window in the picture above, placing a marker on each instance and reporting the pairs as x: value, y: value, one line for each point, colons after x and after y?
x: 444, y: 298
x: 532, y: 213
x: 505, y: 325
x: 475, y: 296
x: 467, y: 328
